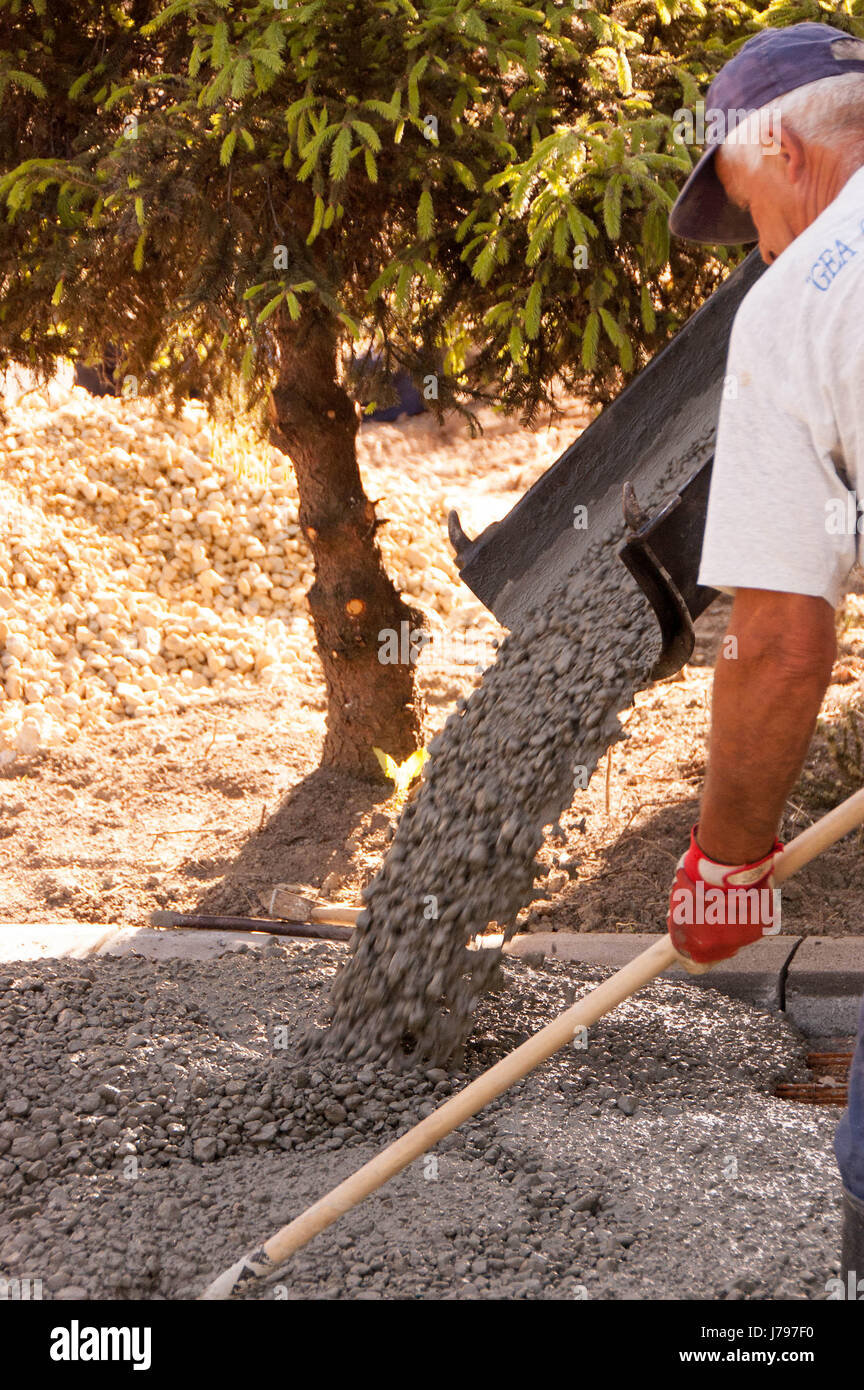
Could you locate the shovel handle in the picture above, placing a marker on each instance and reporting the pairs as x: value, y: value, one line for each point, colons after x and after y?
x: 819, y: 836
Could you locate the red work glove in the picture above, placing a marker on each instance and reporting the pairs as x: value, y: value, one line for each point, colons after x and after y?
x: 713, y: 908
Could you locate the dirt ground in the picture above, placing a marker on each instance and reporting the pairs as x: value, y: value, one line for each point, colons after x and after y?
x: 207, y: 809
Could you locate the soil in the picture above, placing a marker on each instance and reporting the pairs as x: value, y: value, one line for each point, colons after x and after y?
x: 206, y: 809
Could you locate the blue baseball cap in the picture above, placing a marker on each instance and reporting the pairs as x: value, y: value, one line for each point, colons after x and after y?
x: 766, y: 68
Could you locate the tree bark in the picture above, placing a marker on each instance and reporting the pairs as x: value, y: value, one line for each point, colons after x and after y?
x: 353, y: 602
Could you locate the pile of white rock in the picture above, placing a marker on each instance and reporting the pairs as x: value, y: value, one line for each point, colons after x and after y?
x: 149, y: 563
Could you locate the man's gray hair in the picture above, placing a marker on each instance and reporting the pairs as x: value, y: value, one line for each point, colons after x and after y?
x: 828, y: 112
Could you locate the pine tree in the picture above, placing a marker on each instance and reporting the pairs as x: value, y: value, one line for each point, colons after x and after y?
x: 475, y: 191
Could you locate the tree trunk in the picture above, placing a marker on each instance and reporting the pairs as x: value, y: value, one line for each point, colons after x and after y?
x: 354, y: 605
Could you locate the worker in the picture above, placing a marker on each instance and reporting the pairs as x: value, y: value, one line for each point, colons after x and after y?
x: 784, y: 167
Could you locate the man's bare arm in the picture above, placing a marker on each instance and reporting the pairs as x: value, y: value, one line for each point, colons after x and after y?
x: 768, y: 687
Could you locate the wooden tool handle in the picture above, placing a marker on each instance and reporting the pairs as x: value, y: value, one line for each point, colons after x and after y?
x: 336, y: 914
x: 817, y: 837
x: 513, y: 1067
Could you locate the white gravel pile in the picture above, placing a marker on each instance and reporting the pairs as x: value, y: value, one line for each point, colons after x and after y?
x: 147, y: 565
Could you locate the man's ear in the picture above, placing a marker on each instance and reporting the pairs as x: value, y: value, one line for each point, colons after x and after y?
x: 784, y: 141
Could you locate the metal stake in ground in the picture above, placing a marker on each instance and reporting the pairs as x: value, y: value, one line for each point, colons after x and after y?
x: 512, y: 1068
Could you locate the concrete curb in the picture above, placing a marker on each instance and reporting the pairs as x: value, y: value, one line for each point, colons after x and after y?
x: 41, y: 940
x: 756, y: 976
x: 817, y: 981
x: 824, y: 985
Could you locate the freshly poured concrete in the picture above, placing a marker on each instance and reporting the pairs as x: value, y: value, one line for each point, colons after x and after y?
x: 155, y: 1122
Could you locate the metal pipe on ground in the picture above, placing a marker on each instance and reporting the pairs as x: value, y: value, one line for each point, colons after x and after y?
x: 317, y: 931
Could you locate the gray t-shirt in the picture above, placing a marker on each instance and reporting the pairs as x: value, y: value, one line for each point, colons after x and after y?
x: 789, y: 461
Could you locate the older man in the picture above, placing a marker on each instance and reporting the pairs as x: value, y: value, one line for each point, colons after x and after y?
x: 784, y: 167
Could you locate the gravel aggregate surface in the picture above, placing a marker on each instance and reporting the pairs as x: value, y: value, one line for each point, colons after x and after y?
x: 152, y: 563
x: 156, y: 1121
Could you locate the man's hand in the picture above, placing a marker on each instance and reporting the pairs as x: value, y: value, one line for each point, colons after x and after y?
x: 715, y: 909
